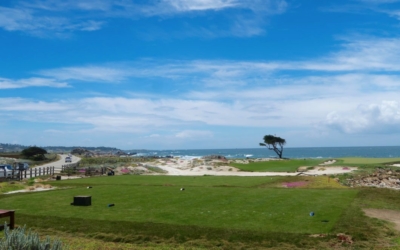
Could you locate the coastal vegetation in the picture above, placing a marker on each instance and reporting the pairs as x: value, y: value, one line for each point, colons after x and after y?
x: 34, y: 153
x: 21, y: 238
x: 12, y: 158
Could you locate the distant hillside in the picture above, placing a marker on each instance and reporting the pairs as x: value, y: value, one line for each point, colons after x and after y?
x: 7, y: 147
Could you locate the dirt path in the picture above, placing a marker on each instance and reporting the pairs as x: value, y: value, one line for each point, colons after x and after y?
x: 384, y: 214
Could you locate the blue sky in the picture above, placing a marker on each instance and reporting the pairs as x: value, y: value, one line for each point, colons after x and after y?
x: 193, y: 74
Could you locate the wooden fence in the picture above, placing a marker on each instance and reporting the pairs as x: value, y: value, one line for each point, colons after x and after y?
x: 69, y: 166
x: 74, y: 169
x: 29, y: 173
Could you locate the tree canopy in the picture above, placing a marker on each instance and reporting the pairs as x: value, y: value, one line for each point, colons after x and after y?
x: 34, y: 152
x: 274, y: 143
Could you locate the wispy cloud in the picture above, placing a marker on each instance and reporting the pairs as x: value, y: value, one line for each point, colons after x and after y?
x: 248, y: 94
x: 199, y: 5
x: 56, y: 17
x: 194, y: 134
x: 57, y: 5
x: 371, y: 60
x: 379, y: 1
x: 25, y: 106
x: 13, y: 19
x: 88, y: 73
x: 387, y: 7
x: 31, y: 82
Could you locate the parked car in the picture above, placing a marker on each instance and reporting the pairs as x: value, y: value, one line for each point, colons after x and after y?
x: 8, y: 171
x: 22, y: 166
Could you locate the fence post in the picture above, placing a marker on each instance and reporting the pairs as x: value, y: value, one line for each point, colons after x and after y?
x: 25, y: 173
x: 35, y: 172
x: 40, y: 171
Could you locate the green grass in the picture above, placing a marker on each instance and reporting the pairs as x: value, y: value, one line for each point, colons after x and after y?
x: 177, y: 181
x: 366, y: 161
x: 10, y: 186
x: 213, y: 212
x: 274, y: 210
x: 234, y: 209
x: 278, y: 166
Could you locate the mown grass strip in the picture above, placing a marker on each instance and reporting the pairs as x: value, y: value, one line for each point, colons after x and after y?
x: 277, y: 165
x: 176, y: 181
x: 367, y: 161
x: 139, y: 233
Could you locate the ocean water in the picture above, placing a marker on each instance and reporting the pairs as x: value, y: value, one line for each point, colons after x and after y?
x: 262, y: 152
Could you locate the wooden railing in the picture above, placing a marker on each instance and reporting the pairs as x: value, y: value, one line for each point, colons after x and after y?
x: 73, y: 169
x: 29, y: 173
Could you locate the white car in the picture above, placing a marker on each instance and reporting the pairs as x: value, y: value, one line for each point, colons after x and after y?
x: 8, y: 171
x: 68, y: 159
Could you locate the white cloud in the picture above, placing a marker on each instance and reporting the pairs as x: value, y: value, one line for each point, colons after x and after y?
x: 154, y: 136
x: 31, y: 82
x: 57, y: 5
x: 371, y: 118
x: 13, y: 19
x: 199, y: 5
x: 249, y: 94
x: 379, y: 1
x: 56, y: 17
x: 194, y: 134
x: 373, y: 57
x: 368, y: 54
x: 88, y: 73
x: 25, y: 105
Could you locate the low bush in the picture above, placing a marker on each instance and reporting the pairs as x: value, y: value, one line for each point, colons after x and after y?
x: 21, y: 239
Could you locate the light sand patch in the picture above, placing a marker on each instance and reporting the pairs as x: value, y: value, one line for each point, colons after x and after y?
x: 328, y: 162
x: 182, y: 169
x: 32, y: 189
x: 384, y: 214
x: 395, y: 165
x: 330, y: 170
x: 196, y: 167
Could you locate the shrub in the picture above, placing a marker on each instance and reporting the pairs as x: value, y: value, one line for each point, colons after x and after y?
x: 31, y: 181
x: 33, y: 151
x: 19, y: 239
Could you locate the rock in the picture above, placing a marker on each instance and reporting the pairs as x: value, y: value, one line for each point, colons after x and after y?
x: 385, y: 178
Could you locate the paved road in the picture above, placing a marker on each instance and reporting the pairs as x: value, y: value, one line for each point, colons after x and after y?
x: 58, y: 164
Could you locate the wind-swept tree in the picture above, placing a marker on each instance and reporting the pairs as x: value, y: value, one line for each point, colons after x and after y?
x: 274, y: 143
